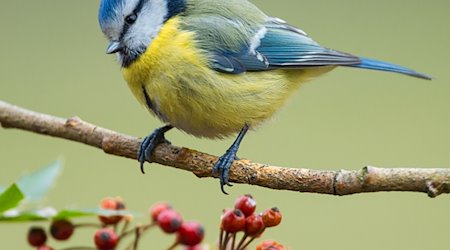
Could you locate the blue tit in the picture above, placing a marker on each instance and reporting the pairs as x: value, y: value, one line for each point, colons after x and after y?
x: 214, y: 68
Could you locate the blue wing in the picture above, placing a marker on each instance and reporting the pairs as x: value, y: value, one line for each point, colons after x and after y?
x: 283, y: 46
x: 280, y: 46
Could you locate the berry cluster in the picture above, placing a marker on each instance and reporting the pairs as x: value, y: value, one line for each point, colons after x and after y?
x: 114, y: 222
x: 244, y: 219
x: 59, y: 230
x: 189, y: 234
x: 107, y: 237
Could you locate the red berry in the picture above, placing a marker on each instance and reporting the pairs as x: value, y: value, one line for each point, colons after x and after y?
x: 37, y: 236
x: 157, y: 208
x: 246, y: 204
x: 254, y: 225
x: 61, y: 229
x: 111, y: 204
x: 44, y: 247
x: 169, y: 221
x: 196, y: 247
x: 190, y: 233
x: 271, y: 217
x: 233, y: 221
x: 270, y: 245
x: 106, y: 239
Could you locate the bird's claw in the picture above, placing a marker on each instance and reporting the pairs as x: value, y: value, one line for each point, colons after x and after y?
x: 224, y: 163
x: 222, y: 167
x: 149, y: 144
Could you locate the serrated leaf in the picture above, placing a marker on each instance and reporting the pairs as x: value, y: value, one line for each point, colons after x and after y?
x: 37, y: 184
x: 10, y: 198
x: 29, y: 215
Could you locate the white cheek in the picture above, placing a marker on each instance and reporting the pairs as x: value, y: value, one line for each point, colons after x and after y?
x: 148, y: 24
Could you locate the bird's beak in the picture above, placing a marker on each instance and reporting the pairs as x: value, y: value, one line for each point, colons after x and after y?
x: 114, y: 47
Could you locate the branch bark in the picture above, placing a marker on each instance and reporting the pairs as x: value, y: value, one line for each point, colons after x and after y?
x: 342, y: 182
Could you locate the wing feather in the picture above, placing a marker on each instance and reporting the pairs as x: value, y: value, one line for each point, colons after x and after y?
x: 281, y: 46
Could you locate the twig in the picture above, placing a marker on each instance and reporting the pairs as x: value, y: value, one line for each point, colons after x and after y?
x: 241, y: 242
x: 247, y: 243
x: 94, y: 225
x: 221, y: 238
x: 136, y: 239
x: 174, y: 245
x: 142, y: 228
x: 80, y: 248
x: 233, y: 242
x: 226, y: 240
x: 342, y: 182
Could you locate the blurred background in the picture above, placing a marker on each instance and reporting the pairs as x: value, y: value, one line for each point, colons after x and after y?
x: 54, y: 61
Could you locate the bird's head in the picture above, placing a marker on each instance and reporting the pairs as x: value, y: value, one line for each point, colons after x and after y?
x: 131, y: 25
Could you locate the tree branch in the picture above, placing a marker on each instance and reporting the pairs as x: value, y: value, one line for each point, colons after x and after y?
x: 343, y: 182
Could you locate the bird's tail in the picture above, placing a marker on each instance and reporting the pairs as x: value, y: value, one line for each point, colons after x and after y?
x: 367, y: 63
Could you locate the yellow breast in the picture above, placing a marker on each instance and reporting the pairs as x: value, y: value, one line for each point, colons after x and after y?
x: 183, y: 91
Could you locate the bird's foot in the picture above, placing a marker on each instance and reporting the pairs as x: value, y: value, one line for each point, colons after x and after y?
x: 224, y: 163
x: 149, y: 144
x: 223, y: 166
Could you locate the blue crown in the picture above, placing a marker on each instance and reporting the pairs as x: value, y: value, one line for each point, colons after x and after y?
x: 108, y: 10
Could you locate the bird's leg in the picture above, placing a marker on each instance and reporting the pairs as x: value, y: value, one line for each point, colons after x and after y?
x: 224, y: 163
x: 149, y: 143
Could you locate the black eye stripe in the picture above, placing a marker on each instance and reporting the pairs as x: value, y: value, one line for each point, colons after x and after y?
x: 139, y: 6
x: 132, y: 17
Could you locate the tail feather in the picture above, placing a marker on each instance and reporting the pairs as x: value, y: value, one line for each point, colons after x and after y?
x: 367, y: 63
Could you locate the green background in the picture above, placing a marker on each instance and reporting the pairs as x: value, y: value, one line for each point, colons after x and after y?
x: 53, y: 61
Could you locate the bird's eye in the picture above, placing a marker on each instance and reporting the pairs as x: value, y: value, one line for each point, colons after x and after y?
x: 130, y: 19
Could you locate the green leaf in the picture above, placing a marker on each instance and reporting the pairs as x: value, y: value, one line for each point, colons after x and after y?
x: 49, y: 213
x: 37, y: 184
x: 29, y: 215
x: 71, y: 213
x: 10, y: 198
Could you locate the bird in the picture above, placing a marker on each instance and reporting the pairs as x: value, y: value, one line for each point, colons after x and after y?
x: 213, y: 68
